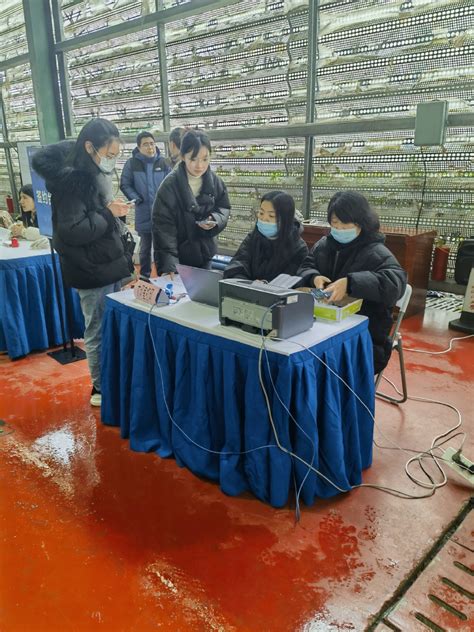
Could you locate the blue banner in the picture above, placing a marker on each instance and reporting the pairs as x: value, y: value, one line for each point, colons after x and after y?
x: 42, y: 198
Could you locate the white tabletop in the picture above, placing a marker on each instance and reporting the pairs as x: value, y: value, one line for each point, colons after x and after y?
x: 206, y: 319
x: 23, y: 250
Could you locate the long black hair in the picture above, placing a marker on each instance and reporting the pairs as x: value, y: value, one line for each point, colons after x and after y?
x: 100, y: 132
x: 193, y: 140
x: 352, y: 207
x: 284, y: 206
x: 26, y: 189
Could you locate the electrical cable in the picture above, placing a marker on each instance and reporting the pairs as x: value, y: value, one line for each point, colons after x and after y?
x: 423, y: 189
x: 431, y: 486
x: 439, y: 352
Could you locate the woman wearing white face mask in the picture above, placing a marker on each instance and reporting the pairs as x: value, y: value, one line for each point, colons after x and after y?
x: 274, y: 246
x: 353, y: 260
x: 87, y: 233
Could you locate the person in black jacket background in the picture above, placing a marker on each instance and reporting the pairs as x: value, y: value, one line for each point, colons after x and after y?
x: 87, y: 232
x: 274, y: 246
x: 191, y: 207
x: 353, y: 260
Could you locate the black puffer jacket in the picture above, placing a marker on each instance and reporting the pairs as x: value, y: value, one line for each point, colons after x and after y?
x: 373, y: 274
x: 176, y: 236
x: 261, y: 258
x: 85, y: 233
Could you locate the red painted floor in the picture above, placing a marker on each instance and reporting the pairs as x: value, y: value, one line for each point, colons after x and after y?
x: 96, y: 537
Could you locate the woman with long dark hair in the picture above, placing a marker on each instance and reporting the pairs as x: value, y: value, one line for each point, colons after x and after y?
x: 87, y: 232
x: 27, y: 203
x: 191, y: 207
x: 274, y: 246
x: 353, y: 260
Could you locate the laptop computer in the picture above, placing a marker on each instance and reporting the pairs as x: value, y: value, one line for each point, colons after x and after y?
x: 202, y: 286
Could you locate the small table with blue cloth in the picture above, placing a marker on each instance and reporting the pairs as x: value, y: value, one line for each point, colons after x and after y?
x: 210, y: 379
x: 29, y: 312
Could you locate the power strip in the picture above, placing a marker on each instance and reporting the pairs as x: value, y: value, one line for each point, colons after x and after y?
x: 462, y: 471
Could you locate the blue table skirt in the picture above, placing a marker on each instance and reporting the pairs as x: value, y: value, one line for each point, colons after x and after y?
x: 29, y: 312
x: 212, y: 388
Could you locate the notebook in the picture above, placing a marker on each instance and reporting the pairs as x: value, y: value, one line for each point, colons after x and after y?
x: 201, y: 285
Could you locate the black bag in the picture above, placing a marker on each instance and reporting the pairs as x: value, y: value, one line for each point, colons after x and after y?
x: 128, y: 243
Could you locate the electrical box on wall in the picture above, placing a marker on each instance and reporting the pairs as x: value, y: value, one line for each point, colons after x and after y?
x: 430, y: 124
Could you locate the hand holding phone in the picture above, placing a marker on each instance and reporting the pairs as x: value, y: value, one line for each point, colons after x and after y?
x: 206, y: 224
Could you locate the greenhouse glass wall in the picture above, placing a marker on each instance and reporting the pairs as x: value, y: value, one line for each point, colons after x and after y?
x: 305, y: 95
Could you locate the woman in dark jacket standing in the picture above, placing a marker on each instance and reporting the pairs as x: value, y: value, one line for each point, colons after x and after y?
x: 274, y: 246
x: 353, y: 260
x: 191, y: 207
x: 87, y: 233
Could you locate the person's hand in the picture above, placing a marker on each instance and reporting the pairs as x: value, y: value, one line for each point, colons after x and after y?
x: 17, y: 229
x: 320, y: 281
x: 118, y: 208
x: 338, y: 290
x: 208, y: 224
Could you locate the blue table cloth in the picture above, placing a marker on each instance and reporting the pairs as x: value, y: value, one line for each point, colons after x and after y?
x: 29, y: 312
x: 212, y: 389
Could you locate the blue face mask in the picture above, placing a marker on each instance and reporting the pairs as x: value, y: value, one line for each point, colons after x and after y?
x: 344, y: 236
x: 267, y: 229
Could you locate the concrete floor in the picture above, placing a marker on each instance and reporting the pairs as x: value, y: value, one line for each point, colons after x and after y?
x: 96, y: 537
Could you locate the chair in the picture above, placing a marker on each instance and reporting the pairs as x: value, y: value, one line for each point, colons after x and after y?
x: 397, y: 345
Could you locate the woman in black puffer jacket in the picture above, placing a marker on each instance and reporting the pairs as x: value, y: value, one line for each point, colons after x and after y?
x: 353, y: 260
x: 87, y: 233
x: 191, y: 207
x: 274, y: 246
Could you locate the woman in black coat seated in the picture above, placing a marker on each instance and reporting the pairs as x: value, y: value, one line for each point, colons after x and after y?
x: 191, y: 207
x: 274, y: 246
x: 353, y: 260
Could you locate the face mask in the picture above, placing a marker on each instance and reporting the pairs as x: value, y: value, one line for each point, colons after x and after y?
x: 106, y: 165
x: 267, y: 229
x: 344, y: 236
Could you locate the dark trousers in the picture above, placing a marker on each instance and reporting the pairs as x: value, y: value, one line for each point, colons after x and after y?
x: 145, y: 253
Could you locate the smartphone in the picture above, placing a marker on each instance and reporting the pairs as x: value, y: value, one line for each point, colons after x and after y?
x: 206, y: 222
x: 321, y: 294
x: 130, y: 202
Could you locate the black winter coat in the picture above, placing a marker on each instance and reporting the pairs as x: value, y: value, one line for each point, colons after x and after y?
x: 176, y: 236
x: 85, y: 233
x: 373, y: 274
x: 261, y: 258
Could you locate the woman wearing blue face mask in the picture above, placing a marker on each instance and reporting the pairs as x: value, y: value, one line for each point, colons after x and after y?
x: 274, y: 246
x: 353, y: 260
x: 95, y: 254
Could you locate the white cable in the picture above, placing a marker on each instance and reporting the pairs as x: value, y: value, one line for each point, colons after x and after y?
x: 439, y: 352
x: 399, y: 493
x: 220, y: 452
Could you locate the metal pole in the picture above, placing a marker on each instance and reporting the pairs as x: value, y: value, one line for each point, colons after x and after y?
x: 62, y: 70
x: 8, y: 158
x: 39, y: 33
x: 311, y: 88
x: 163, y: 71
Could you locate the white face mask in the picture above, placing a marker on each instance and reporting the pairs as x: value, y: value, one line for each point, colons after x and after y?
x: 106, y: 165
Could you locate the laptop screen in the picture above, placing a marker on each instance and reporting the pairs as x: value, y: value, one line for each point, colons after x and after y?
x: 201, y: 285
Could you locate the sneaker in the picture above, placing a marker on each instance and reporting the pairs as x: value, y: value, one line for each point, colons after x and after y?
x: 96, y: 397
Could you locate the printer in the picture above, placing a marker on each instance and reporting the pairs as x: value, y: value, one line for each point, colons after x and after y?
x: 254, y: 305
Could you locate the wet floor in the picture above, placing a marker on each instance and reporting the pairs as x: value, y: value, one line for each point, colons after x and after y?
x: 97, y: 537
